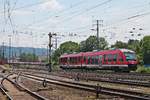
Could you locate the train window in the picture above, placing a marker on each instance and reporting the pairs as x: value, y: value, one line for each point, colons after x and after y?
x: 66, y: 60
x: 76, y: 60
x: 115, y: 57
x: 93, y: 60
x: 96, y: 59
x: 85, y: 59
x: 100, y: 59
x: 109, y: 57
x: 73, y: 60
x: 120, y: 59
x: 105, y: 58
x: 70, y: 60
x: 79, y: 59
x: 63, y: 60
x: 89, y: 60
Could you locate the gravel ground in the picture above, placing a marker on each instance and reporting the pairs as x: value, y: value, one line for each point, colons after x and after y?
x: 16, y: 93
x: 140, y: 89
x: 2, y: 96
x: 55, y: 92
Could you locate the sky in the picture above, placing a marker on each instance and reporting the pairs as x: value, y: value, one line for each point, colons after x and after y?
x: 26, y: 23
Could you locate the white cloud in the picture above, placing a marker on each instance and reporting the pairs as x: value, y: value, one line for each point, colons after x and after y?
x: 51, y: 5
x: 22, y: 12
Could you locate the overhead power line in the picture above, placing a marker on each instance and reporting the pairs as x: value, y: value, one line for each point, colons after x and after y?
x: 59, y: 12
x: 139, y: 15
x: 86, y: 10
x: 30, y: 5
x: 127, y: 19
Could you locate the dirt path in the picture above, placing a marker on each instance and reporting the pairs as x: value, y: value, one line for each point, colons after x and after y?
x: 2, y: 97
x: 15, y: 93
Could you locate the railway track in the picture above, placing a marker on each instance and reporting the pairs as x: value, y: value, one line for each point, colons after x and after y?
x: 4, y: 95
x: 103, y: 74
x: 15, y: 91
x: 92, y: 88
x: 112, y: 75
x: 107, y: 78
x: 103, y: 77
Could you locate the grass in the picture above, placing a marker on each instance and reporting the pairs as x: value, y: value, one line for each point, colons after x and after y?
x: 55, y: 67
x: 142, y: 69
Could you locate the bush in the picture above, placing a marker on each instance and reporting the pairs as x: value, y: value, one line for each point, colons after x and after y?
x: 143, y: 69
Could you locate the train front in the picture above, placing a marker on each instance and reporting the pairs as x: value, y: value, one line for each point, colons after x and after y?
x: 131, y: 59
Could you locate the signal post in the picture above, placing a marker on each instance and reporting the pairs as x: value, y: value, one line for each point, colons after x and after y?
x: 50, y: 50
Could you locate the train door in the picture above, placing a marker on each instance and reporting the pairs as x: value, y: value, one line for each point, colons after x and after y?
x: 100, y: 60
x: 120, y: 59
x: 115, y: 58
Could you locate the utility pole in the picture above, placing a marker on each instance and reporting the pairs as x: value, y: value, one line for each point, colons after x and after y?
x: 99, y: 23
x: 3, y: 51
x: 20, y: 51
x: 97, y: 30
x: 55, y: 43
x: 34, y: 54
x: 47, y: 52
x: 9, y: 48
x: 50, y: 51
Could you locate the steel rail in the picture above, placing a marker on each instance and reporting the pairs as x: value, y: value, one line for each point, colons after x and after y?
x: 39, y: 97
x: 92, y: 88
x: 113, y: 75
x: 8, y: 97
x: 117, y: 81
x: 19, y: 86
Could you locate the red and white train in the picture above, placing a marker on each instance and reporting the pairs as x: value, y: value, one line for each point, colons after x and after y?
x: 117, y: 60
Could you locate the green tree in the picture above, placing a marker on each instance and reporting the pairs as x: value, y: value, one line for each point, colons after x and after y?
x: 28, y: 57
x: 66, y: 47
x: 91, y: 44
x: 55, y: 56
x: 145, y: 43
x: 120, y: 44
x: 83, y: 46
x: 136, y: 46
x: 69, y: 47
x: 103, y: 44
x: 133, y: 45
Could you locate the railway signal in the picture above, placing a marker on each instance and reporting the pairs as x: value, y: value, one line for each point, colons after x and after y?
x: 50, y: 46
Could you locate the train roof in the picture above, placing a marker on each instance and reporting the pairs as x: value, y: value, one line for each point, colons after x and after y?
x: 97, y: 52
x: 126, y: 50
x: 72, y: 55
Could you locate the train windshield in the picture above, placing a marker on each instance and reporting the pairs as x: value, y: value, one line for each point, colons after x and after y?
x: 130, y: 56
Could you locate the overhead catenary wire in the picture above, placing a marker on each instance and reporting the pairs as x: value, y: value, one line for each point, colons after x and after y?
x: 29, y: 5
x: 86, y: 10
x: 127, y: 19
x: 82, y: 12
x: 66, y: 20
x: 59, y: 12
